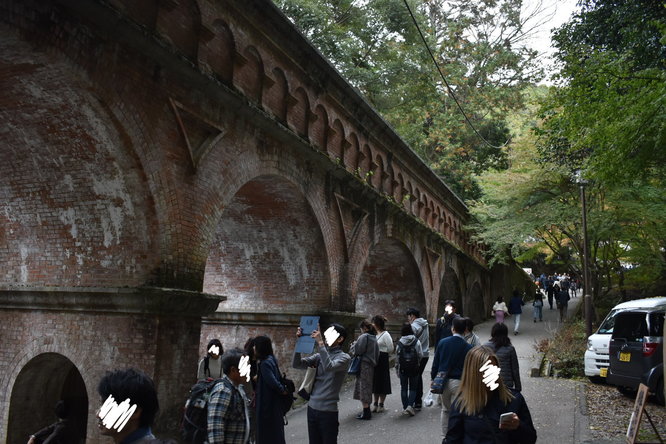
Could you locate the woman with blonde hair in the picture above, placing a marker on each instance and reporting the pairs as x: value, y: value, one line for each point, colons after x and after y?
x: 485, y: 411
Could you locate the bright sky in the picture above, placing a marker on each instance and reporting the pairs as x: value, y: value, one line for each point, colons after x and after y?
x: 554, y: 13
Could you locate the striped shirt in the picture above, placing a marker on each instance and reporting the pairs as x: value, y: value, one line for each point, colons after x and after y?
x: 226, y: 414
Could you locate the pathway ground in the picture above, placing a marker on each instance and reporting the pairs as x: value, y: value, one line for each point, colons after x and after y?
x: 557, y: 405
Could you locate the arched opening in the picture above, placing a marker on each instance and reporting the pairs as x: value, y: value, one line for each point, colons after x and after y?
x: 390, y: 282
x: 269, y: 252
x: 450, y: 290
x: 475, y: 307
x: 46, y: 379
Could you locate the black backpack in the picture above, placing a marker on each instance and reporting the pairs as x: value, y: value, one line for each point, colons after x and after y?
x: 286, y: 401
x: 195, y: 416
x: 408, y: 359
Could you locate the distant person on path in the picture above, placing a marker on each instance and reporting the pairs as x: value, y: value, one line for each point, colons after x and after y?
x: 228, y: 413
x: 331, y: 364
x: 408, y: 360
x: 381, y: 382
x: 499, y: 310
x: 476, y: 410
x: 420, y: 327
x: 470, y: 337
x: 449, y: 358
x: 538, y: 305
x: 270, y: 420
x: 562, y: 298
x: 444, y: 324
x: 366, y: 347
x: 506, y: 353
x: 516, y: 309
x: 60, y: 432
x: 550, y: 291
x: 210, y: 366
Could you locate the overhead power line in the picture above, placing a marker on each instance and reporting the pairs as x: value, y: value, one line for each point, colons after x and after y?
x: 448, y: 87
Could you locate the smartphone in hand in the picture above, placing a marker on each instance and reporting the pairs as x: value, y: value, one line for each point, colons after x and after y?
x: 506, y: 417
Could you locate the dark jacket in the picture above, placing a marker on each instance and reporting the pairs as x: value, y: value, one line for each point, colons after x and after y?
x: 443, y: 327
x: 562, y: 297
x: 484, y: 427
x: 515, y: 305
x: 508, y: 361
x: 270, y: 422
x: 450, y: 357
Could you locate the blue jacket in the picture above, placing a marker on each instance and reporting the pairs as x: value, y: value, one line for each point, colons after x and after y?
x: 270, y: 422
x: 484, y: 427
x: 515, y: 305
x: 450, y: 357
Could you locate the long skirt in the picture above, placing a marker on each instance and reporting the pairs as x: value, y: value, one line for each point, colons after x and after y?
x: 381, y: 384
x: 363, y: 387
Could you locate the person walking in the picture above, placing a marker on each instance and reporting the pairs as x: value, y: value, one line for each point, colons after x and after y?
x: 562, y: 298
x: 228, y: 414
x: 444, y: 324
x: 449, y: 358
x: 516, y: 309
x: 210, y: 365
x: 499, y: 310
x: 270, y: 420
x: 331, y: 365
x: 366, y: 347
x: 408, y: 359
x: 470, y: 337
x: 381, y: 381
x: 420, y: 327
x: 550, y: 291
x: 479, y: 404
x: 506, y: 354
x: 538, y: 305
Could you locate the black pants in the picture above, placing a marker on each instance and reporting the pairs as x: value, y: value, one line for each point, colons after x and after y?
x: 322, y: 426
x: 419, y: 383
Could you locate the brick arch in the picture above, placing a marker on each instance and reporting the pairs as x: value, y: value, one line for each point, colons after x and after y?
x: 249, y: 74
x: 450, y: 289
x: 378, y: 173
x: 269, y: 250
x: 352, y: 153
x: 143, y: 12
x: 218, y: 53
x: 18, y: 385
x: 298, y: 112
x: 337, y: 142
x: 91, y: 192
x: 365, y: 160
x: 399, y: 190
x: 475, y: 307
x: 318, y: 133
x: 389, y: 282
x: 275, y: 99
x: 180, y: 23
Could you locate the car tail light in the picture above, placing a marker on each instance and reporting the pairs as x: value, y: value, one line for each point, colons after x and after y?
x: 650, y: 344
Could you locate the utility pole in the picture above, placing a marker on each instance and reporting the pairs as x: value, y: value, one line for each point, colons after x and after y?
x: 586, y: 265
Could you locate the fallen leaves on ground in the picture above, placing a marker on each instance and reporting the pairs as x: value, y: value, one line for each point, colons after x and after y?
x: 609, y: 413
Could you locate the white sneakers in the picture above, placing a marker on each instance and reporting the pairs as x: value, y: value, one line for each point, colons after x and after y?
x: 409, y: 411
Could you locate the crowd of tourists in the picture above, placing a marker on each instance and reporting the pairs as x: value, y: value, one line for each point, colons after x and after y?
x: 476, y: 384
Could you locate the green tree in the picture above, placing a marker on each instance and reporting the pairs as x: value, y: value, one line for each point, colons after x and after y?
x: 479, y: 47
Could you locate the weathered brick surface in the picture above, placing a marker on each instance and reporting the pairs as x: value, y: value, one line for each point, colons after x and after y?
x: 202, y: 146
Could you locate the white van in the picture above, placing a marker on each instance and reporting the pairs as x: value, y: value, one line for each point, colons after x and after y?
x: 596, y: 356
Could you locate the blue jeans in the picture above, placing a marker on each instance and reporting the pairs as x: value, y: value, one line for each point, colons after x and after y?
x: 322, y: 426
x: 408, y: 390
x: 538, y: 313
x: 419, y: 383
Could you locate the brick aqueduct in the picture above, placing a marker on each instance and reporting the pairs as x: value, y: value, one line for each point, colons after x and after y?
x: 159, y: 158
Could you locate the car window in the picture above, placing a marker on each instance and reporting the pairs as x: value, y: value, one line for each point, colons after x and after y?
x: 608, y: 324
x: 631, y: 326
x: 656, y: 321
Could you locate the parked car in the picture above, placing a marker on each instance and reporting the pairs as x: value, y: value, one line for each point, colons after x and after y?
x: 636, y: 350
x: 596, y: 355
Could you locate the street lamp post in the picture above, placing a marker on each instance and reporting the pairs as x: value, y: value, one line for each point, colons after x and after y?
x: 586, y: 266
